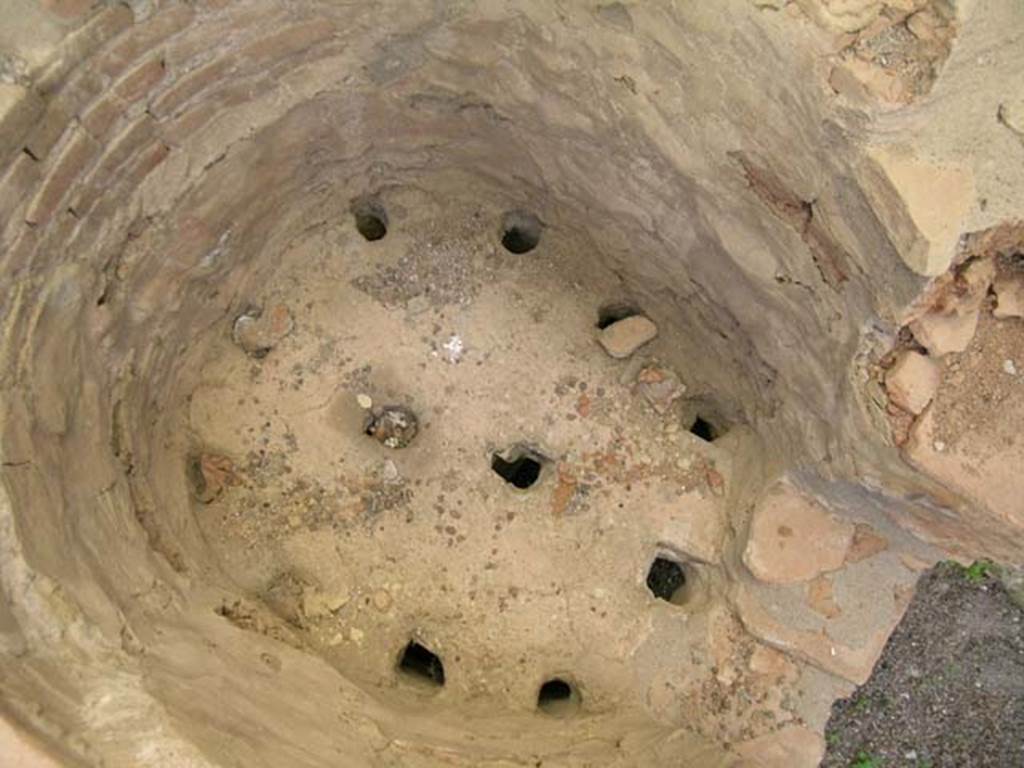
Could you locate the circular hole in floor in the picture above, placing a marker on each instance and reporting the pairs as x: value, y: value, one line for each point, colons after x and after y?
x: 704, y: 429
x: 703, y: 416
x: 421, y: 665
x: 520, y: 231
x: 610, y: 314
x: 666, y: 579
x: 519, y: 467
x: 371, y: 219
x: 558, y: 697
x: 394, y: 426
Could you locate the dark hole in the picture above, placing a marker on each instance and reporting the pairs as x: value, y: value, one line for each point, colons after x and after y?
x: 371, y: 220
x: 612, y: 313
x: 521, y: 470
x: 554, y: 690
x: 665, y: 578
x: 557, y: 697
x: 518, y: 240
x: 520, y: 232
x: 703, y: 429
x: 421, y: 663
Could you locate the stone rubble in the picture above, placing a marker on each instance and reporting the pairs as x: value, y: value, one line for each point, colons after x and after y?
x: 621, y: 339
x: 258, y: 333
x: 913, y: 381
x: 794, y: 539
x: 944, y: 332
x: 1009, y: 293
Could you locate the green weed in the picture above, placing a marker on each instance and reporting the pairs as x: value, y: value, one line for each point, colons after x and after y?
x: 976, y: 572
x: 865, y: 760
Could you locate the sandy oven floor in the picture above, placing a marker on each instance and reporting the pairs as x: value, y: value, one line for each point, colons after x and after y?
x: 361, y: 548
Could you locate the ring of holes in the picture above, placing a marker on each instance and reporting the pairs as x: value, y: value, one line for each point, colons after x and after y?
x: 670, y: 580
x: 558, y: 697
x: 520, y: 231
x: 371, y: 219
x: 704, y: 429
x: 521, y: 469
x: 609, y: 314
x: 708, y: 423
x: 419, y: 663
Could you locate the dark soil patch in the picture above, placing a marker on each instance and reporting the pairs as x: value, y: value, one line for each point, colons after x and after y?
x: 948, y: 691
